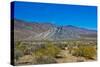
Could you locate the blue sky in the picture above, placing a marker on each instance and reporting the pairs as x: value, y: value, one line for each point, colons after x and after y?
x: 80, y: 16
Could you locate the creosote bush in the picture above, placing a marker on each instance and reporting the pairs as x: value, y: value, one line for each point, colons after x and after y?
x: 46, y: 54
x: 49, y: 50
x: 85, y: 51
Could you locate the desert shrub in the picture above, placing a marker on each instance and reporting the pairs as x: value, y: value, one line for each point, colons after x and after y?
x: 45, y: 60
x: 26, y: 59
x: 25, y: 48
x: 46, y: 54
x: 17, y: 54
x: 20, y: 50
x: 17, y: 50
x: 85, y: 51
x: 49, y: 50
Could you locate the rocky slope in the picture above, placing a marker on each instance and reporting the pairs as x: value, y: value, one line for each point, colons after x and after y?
x: 47, y: 31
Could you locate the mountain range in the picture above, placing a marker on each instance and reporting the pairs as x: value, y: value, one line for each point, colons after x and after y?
x: 47, y: 31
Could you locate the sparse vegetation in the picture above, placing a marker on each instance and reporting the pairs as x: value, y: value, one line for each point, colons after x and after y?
x: 47, y: 52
